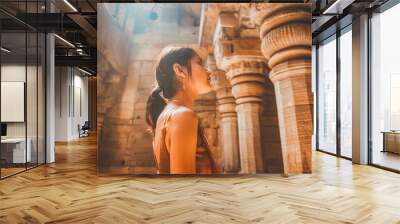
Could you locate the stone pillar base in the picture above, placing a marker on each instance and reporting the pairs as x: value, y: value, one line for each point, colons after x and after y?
x: 250, y: 137
x: 295, y: 108
x: 230, y: 144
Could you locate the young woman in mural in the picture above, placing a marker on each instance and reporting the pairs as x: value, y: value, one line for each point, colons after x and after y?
x: 179, y: 143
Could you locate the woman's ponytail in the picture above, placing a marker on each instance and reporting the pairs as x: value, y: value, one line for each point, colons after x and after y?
x: 155, y: 105
x: 167, y: 82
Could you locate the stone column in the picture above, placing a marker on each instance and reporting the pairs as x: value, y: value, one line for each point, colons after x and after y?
x: 246, y: 76
x: 241, y: 58
x: 228, y: 126
x: 285, y: 32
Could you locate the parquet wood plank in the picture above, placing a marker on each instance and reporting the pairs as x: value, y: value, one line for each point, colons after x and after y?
x: 70, y: 191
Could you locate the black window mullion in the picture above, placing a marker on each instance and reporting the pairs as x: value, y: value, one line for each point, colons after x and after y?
x: 26, y: 86
x: 338, y: 72
x: 317, y: 96
x: 369, y: 100
x: 37, y: 90
x: 45, y: 93
x: 44, y: 79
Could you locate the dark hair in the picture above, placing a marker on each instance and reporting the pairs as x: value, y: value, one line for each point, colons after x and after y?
x: 167, y: 82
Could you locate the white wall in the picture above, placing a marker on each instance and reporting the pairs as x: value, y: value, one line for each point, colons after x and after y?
x: 61, y: 103
x: 79, y: 117
x: 70, y: 83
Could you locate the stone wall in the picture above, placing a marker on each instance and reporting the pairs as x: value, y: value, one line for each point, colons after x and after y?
x: 125, y: 79
x: 205, y: 107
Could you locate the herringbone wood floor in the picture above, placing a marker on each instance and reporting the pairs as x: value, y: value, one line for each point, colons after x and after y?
x: 69, y: 191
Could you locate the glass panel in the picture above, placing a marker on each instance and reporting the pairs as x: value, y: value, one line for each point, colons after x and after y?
x: 13, y: 87
x: 385, y: 84
x: 327, y: 96
x: 346, y: 94
x: 31, y: 100
x: 32, y: 91
x: 41, y: 98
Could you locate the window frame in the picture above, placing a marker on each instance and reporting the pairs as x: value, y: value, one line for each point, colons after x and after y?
x: 337, y: 34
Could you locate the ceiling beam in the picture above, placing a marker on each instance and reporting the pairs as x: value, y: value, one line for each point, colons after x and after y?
x: 83, y: 61
x: 337, y: 7
x: 86, y: 26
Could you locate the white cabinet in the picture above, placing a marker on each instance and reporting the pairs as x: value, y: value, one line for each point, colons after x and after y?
x: 17, y: 145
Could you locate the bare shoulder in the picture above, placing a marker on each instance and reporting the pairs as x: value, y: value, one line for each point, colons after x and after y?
x: 184, y: 116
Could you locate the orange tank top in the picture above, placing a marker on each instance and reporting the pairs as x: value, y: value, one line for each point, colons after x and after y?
x: 204, y: 161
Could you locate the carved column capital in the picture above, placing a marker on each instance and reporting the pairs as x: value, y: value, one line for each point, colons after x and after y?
x: 247, y: 77
x: 241, y: 58
x: 285, y: 31
x: 230, y: 46
x: 245, y: 64
x: 222, y: 87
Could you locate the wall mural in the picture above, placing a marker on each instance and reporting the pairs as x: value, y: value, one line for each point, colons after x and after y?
x: 197, y: 88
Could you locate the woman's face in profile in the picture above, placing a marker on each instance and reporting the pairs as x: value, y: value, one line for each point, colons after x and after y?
x: 200, y: 77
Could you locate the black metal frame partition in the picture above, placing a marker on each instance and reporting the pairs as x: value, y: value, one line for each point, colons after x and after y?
x: 339, y: 32
x: 44, y: 93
